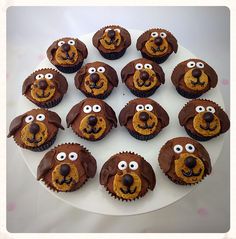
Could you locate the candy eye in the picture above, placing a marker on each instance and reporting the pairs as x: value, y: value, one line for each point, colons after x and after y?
x: 101, y: 69
x: 117, y: 30
x: 133, y: 165
x: 178, y: 148
x: 91, y: 70
x: 191, y: 64
x: 154, y: 34
x: 87, y: 109
x: 49, y: 76
x: 139, y: 107
x: 73, y: 156
x: 71, y: 42
x: 40, y: 117
x: 61, y: 156
x: 39, y: 77
x: 190, y: 148
x: 29, y: 118
x: 148, y: 107
x: 148, y: 66
x: 139, y: 66
x: 60, y: 43
x: 211, y: 109
x: 200, y: 109
x: 108, y: 29
x: 122, y: 165
x: 96, y: 108
x: 163, y: 35
x: 200, y: 65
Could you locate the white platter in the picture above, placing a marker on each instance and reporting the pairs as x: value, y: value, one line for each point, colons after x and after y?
x: 92, y: 196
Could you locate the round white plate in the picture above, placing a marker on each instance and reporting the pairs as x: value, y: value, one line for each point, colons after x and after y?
x: 92, y: 196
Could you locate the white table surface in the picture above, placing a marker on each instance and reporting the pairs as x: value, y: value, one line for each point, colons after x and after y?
x: 30, y: 30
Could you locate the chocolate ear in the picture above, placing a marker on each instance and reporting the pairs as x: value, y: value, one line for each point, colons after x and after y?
x: 73, y: 113
x: 15, y: 125
x: 54, y: 118
x: 126, y: 113
x: 51, y: 50
x: 224, y: 120
x: 127, y: 71
x: 187, y: 112
x: 162, y: 115
x: 45, y: 164
x: 61, y: 82
x: 111, y: 75
x: 79, y: 77
x: 81, y: 47
x: 108, y: 169
x: 148, y: 173
x: 142, y: 40
x: 89, y: 163
x: 173, y: 42
x: 212, y: 75
x: 177, y: 74
x: 27, y: 84
x: 126, y: 36
x: 158, y: 70
x: 110, y: 114
x: 97, y: 36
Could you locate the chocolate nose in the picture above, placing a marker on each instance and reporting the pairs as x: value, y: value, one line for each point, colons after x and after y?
x: 92, y: 120
x: 196, y: 73
x: 111, y: 34
x: 94, y: 77
x: 64, y: 170
x: 158, y: 41
x: 127, y: 180
x: 43, y: 84
x: 144, y: 75
x: 65, y: 47
x: 208, y: 117
x: 190, y: 162
x: 144, y: 116
x: 34, y: 128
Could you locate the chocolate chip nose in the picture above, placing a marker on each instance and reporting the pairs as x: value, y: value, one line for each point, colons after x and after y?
x: 190, y: 162
x: 64, y: 170
x: 144, y: 116
x: 65, y: 47
x: 127, y: 180
x: 111, y: 34
x: 34, y: 128
x: 196, y: 73
x: 43, y: 84
x: 94, y: 77
x: 144, y: 75
x: 208, y: 117
x: 158, y: 41
x: 92, y: 120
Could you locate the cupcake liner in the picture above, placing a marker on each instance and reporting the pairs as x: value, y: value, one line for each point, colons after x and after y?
x: 48, y: 104
x: 69, y: 69
x: 113, y: 55
x: 102, y: 97
x: 188, y: 95
x: 158, y: 60
x: 142, y: 137
x: 144, y: 93
x: 197, y: 137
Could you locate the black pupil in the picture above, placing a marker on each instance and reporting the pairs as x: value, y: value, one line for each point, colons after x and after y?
x: 122, y: 165
x: 190, y: 147
x: 178, y: 149
x: 140, y: 107
x: 62, y: 157
x: 97, y: 107
x: 131, y: 165
x: 72, y: 156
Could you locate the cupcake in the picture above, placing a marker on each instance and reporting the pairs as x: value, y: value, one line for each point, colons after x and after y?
x: 127, y: 176
x: 144, y: 118
x: 45, y: 87
x: 112, y: 41
x: 203, y: 119
x: 36, y: 129
x: 193, y: 77
x: 184, y: 161
x: 67, y: 54
x: 96, y: 80
x: 142, y: 77
x: 91, y: 119
x: 66, y: 167
x: 157, y: 44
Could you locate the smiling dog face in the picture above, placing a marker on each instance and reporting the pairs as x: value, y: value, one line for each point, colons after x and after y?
x: 127, y: 176
x: 184, y: 160
x: 203, y: 119
x: 91, y: 119
x: 66, y: 167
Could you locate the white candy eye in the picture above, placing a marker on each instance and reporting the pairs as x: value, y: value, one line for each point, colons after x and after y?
x: 163, y: 35
x: 96, y: 108
x: 154, y: 34
x: 29, y: 118
x: 178, y: 148
x: 191, y: 64
x: 73, y: 156
x: 139, y: 66
x: 91, y: 70
x: 117, y: 30
x: 190, y: 148
x: 87, y: 109
x: 40, y: 117
x: 148, y: 107
x: 139, y: 107
x: 200, y: 65
x: 133, y: 165
x: 200, y: 109
x: 39, y: 77
x: 60, y: 43
x: 210, y: 109
x: 148, y: 66
x: 101, y: 69
x: 49, y: 76
x: 108, y: 29
x: 71, y: 42
x: 61, y: 156
x: 122, y: 165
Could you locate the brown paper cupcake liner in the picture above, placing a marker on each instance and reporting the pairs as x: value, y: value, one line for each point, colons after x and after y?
x: 188, y: 95
x: 197, y: 137
x: 48, y: 104
x: 113, y: 55
x: 158, y: 60
x: 144, y: 93
x: 69, y: 69
x: 142, y: 137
